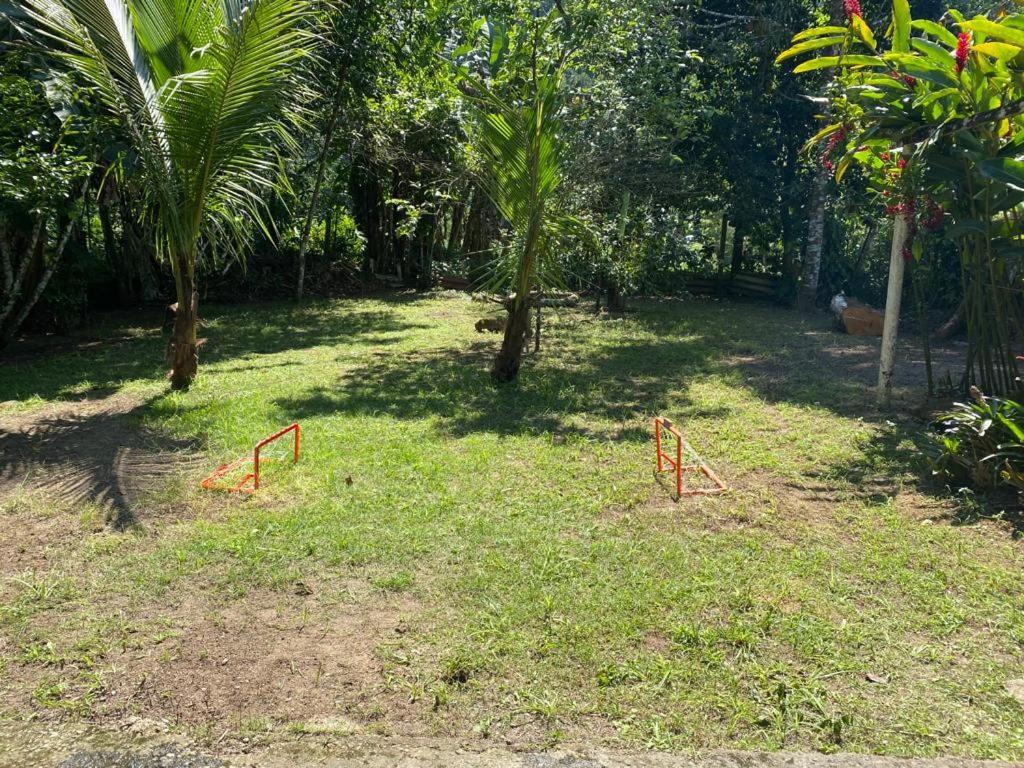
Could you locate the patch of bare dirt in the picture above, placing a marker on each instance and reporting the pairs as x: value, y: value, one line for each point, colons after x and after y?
x: 286, y: 657
x: 86, y: 451
x: 856, y: 359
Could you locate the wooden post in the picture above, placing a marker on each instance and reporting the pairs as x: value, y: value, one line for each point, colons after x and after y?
x: 894, y: 296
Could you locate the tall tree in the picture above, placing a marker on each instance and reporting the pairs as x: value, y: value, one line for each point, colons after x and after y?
x: 811, y: 270
x: 206, y: 93
x: 522, y: 168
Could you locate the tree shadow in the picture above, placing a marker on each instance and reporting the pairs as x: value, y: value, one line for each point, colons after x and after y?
x: 92, y: 450
x: 599, y: 386
x: 269, y: 329
x: 969, y: 508
x: 598, y: 395
x: 135, y: 348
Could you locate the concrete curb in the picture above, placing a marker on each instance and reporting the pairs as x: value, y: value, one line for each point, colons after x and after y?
x: 27, y: 745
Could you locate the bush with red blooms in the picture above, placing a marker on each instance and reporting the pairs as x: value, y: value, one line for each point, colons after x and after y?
x: 834, y: 141
x: 946, y: 96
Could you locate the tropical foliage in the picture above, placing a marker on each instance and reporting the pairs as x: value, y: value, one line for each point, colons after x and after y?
x: 930, y: 116
x: 205, y: 92
x: 45, y: 170
x: 522, y: 167
x: 667, y: 153
x: 981, y: 443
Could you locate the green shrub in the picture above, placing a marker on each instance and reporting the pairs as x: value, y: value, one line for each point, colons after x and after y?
x: 346, y: 242
x: 981, y: 443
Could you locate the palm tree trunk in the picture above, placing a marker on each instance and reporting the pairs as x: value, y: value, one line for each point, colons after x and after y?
x: 184, y: 349
x: 517, y: 328
x: 510, y: 357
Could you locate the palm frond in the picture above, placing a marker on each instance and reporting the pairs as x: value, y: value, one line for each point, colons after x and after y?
x: 204, y: 89
x: 522, y: 171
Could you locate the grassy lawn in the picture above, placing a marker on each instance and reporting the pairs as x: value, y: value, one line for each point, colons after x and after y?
x: 451, y: 558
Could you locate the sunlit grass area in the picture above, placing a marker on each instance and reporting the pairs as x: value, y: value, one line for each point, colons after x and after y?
x: 529, y: 578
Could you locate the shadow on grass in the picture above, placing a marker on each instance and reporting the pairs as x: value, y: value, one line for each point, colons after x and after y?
x: 600, y: 395
x: 70, y: 370
x: 602, y: 382
x: 92, y: 450
x: 970, y: 508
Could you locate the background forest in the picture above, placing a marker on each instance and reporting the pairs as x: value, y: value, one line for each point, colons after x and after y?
x: 683, y: 140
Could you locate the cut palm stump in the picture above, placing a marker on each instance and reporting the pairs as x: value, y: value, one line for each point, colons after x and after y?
x: 675, y: 464
x: 250, y: 482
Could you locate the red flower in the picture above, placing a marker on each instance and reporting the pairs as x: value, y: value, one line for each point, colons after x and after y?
x: 902, y: 163
x: 908, y: 254
x: 905, y: 209
x: 834, y: 141
x: 852, y: 8
x: 907, y: 80
x: 934, y: 218
x: 963, y: 50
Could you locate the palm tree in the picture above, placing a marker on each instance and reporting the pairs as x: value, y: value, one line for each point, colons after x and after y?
x: 206, y: 93
x: 522, y: 170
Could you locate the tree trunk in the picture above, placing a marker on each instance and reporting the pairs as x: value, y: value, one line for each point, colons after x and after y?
x: 317, y: 184
x: 5, y: 260
x: 122, y: 263
x: 458, y: 214
x: 866, y: 247
x: 723, y: 242
x: 16, y: 285
x: 368, y: 209
x: 329, y: 232
x: 10, y: 331
x: 786, y: 212
x: 807, y: 295
x: 184, y: 350
x: 480, y: 231
x: 737, y: 249
x: 137, y: 244
x: 613, y: 299
x: 536, y: 334
x: 894, y: 296
x: 517, y: 329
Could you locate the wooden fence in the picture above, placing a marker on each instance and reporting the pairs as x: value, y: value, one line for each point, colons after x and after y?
x: 745, y: 284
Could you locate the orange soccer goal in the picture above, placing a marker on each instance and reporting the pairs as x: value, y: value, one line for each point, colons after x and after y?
x: 663, y: 427
x: 250, y: 481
